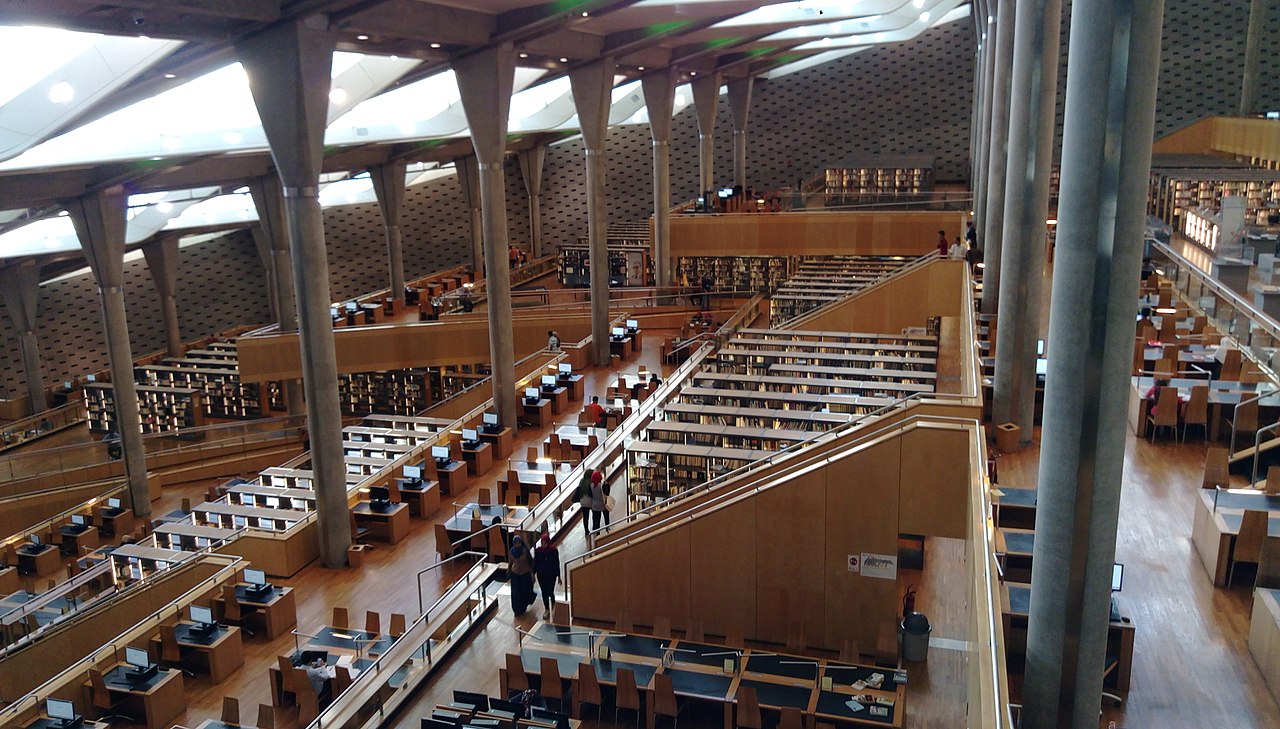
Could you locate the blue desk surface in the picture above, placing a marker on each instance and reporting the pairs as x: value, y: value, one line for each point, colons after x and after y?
x: 1020, y: 542
x: 832, y: 703
x: 697, y: 653
x: 607, y: 671
x: 565, y: 636
x: 531, y: 658
x: 706, y: 685
x: 1224, y: 499
x: 636, y: 645
x: 1233, y: 524
x: 1017, y: 497
x: 779, y: 695
x: 789, y: 666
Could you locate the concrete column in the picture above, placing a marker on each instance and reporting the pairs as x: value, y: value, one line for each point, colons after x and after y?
x: 288, y: 68
x: 706, y: 100
x: 469, y: 178
x: 1258, y: 10
x: 161, y: 255
x: 982, y: 136
x: 273, y: 227
x: 99, y: 220
x: 388, y: 185
x: 1026, y: 205
x: 262, y: 243
x: 660, y: 98
x: 591, y: 86
x: 485, y: 80
x: 740, y: 108
x: 20, y: 289
x: 531, y: 163
x: 996, y: 152
x: 1106, y: 160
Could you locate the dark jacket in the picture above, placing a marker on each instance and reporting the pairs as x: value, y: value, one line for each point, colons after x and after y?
x: 546, y: 563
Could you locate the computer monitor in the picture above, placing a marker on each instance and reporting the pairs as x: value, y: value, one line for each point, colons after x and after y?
x: 113, y: 503
x: 548, y: 380
x: 202, y: 615
x: 352, y: 452
x: 272, y: 502
x: 565, y: 368
x: 413, y: 473
x: 35, y: 540
x: 79, y: 520
x: 1117, y: 576
x: 1039, y: 347
x: 64, y: 711
x: 531, y: 393
x: 561, y: 720
x: 490, y: 419
x: 440, y: 453
x: 255, y: 577
x: 618, y: 332
x: 136, y: 657
x: 480, y: 701
x: 66, y: 385
x: 90, y: 378
x: 633, y: 324
x: 352, y: 307
x: 379, y: 495
x: 470, y: 435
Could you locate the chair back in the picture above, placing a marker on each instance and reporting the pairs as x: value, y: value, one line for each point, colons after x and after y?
x: 748, y: 708
x: 1165, y: 368
x: 1197, y: 410
x: 733, y: 638
x: 1272, y: 486
x: 101, y: 696
x: 552, y: 686
x: 1216, y: 468
x: 372, y: 623
x: 308, y: 701
x: 1168, y: 328
x: 1253, y: 532
x: 588, y: 686
x: 230, y: 605
x: 497, y: 546
x: 887, y: 645
x: 485, y: 497
x: 531, y: 455
x: 664, y: 696
x: 479, y: 540
x: 340, y: 619
x: 230, y: 710
x: 628, y: 695
x: 397, y: 628
x: 1230, y: 365
x: 517, y: 679
x: 170, y: 651
x: 790, y: 718
x: 662, y: 627
x: 443, y: 547
x: 266, y: 716
x: 1167, y: 408
x: 341, y: 680
x: 393, y: 490
x: 1246, y: 417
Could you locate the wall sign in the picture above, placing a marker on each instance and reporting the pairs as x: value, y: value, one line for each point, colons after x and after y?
x: 854, y: 562
x: 882, y: 566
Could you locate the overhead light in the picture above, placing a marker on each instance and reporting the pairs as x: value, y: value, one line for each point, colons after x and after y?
x: 639, y: 68
x: 362, y: 37
x: 917, y: 4
x: 233, y: 137
x: 62, y: 93
x: 435, y: 45
x: 171, y: 75
x: 693, y: 73
x: 924, y: 17
x: 164, y: 206
x: 524, y: 55
x: 338, y: 95
x: 680, y: 100
x: 1051, y: 221
x: 585, y: 13
x: 564, y: 60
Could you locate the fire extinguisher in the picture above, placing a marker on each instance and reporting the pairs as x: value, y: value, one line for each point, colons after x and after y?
x: 909, y: 601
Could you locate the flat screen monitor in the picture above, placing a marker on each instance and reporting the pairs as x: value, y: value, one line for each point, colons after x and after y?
x: 470, y: 435
x: 413, y: 472
x: 352, y: 307
x: 35, y: 540
x: 202, y: 615
x: 136, y: 657
x: 379, y: 493
x: 565, y: 368
x: 1117, y: 576
x: 66, y: 385
x: 490, y: 418
x: 255, y: 577
x: 61, y: 710
x: 1039, y: 347
x: 548, y: 380
x: 531, y: 393
x: 90, y: 378
x: 480, y: 701
x: 351, y: 452
x: 272, y: 502
x: 633, y: 324
x: 113, y: 503
x: 618, y: 332
x: 79, y: 520
x: 440, y: 453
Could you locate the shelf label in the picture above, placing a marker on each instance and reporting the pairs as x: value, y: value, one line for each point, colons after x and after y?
x: 881, y: 566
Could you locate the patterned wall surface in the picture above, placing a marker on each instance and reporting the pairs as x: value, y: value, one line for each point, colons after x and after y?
x: 906, y: 98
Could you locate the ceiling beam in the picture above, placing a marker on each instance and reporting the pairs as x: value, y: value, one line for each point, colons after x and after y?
x: 524, y: 24
x: 260, y: 11
x: 413, y: 20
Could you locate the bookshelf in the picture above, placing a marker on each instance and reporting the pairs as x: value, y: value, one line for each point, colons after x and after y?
x: 223, y: 395
x: 629, y: 264
x: 390, y: 392
x: 163, y: 409
x: 736, y: 273
x: 871, y: 179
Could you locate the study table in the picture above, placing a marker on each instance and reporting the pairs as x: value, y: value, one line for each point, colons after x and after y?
x: 190, y: 537
x: 1015, y: 549
x: 728, y: 436
x: 697, y: 673
x: 576, y: 385
x: 1014, y: 507
x: 503, y: 441
x: 421, y: 494
x: 452, y: 476
x: 77, y: 538
x: 44, y: 722
x: 1264, y: 635
x: 345, y: 646
x: 559, y: 397
x: 390, y: 524
x: 157, y: 700
x: 1216, y: 523
x: 279, y: 608
x: 479, y: 458
x: 115, y: 521
x: 218, y: 654
x: 463, y: 521
x: 624, y: 347
x: 40, y: 561
x: 1224, y: 396
x: 236, y: 515
x: 537, y: 412
x: 396, y: 436
x: 257, y: 495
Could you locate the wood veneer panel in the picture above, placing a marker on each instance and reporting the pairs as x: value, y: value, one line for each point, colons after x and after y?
x: 790, y: 532
x: 933, y: 493
x: 725, y: 542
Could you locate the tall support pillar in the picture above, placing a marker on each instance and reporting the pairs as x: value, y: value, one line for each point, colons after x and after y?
x: 982, y: 116
x: 659, y: 99
x: 485, y: 80
x: 469, y: 179
x: 706, y: 100
x: 1258, y: 10
x: 531, y: 164
x: 388, y: 185
x: 288, y: 68
x: 740, y: 108
x: 20, y: 289
x: 99, y: 220
x: 997, y: 158
x: 591, y: 86
x: 1106, y: 159
x: 262, y: 243
x: 161, y: 255
x: 1026, y: 205
x: 273, y: 230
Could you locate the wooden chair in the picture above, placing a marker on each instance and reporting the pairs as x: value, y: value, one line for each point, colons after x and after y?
x: 1244, y: 421
x: 232, y: 613
x: 661, y: 626
x: 1165, y: 368
x: 186, y: 505
x: 748, y: 715
x: 496, y: 545
x: 1230, y: 365
x: 628, y: 696
x: 372, y: 622
x: 485, y: 497
x: 531, y: 455
x: 1272, y: 484
x: 1253, y: 532
x: 588, y: 689
x: 1252, y: 374
x: 340, y: 619
x: 664, y: 699
x: 266, y: 716
x: 341, y: 680
x: 534, y: 499
x: 1168, y: 328
x: 308, y: 699
x: 795, y: 636
x: 100, y: 695
x: 1196, y: 411
x: 790, y: 718
x: 358, y: 533
x: 849, y: 652
x: 887, y: 646
x: 552, y: 685
x: 170, y: 651
x: 1165, y: 413
x: 1216, y: 468
x: 1166, y: 298
x: 444, y: 549
x: 230, y: 710
x: 1199, y: 323
x: 479, y: 538
x: 517, y: 679
x: 398, y: 625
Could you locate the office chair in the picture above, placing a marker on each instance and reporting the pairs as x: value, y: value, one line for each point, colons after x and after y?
x: 444, y: 549
x: 372, y: 622
x: 627, y: 696
x: 517, y: 679
x: 170, y: 651
x: 589, y: 689
x: 1217, y: 470
x: 790, y: 718
x: 1196, y: 411
x: 101, y: 698
x: 358, y: 533
x: 308, y: 700
x: 748, y: 714
x: 552, y: 685
x: 1271, y: 487
x: 1249, y: 541
x: 232, y: 613
x: 230, y: 710
x: 340, y: 619
x: 397, y: 627
x: 485, y: 497
x: 664, y: 699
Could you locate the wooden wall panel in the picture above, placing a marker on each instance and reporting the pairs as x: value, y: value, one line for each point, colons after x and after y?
x: 599, y: 588
x: 726, y: 566
x: 934, y: 495
x: 790, y: 532
x: 819, y: 233
x: 657, y: 579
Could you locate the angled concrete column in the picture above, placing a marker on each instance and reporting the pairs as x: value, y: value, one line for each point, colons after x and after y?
x: 997, y: 157
x: 982, y: 116
x: 1106, y: 161
x: 288, y: 68
x: 591, y: 86
x: 469, y: 179
x: 485, y: 80
x: 531, y: 163
x: 706, y: 99
x: 659, y: 99
x: 20, y: 287
x: 273, y: 231
x: 99, y: 220
x: 161, y: 255
x: 388, y: 185
x: 1258, y: 10
x: 1026, y: 205
x: 740, y: 108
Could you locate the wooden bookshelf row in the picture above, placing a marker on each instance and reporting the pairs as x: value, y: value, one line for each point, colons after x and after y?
x: 630, y: 263
x: 817, y: 282
x: 1173, y: 192
x: 735, y: 273
x: 163, y: 409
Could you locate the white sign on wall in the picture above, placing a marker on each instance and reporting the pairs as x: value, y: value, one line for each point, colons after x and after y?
x: 882, y: 566
x: 854, y: 561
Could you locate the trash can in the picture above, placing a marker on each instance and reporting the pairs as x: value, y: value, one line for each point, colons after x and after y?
x: 1007, y: 437
x: 915, y: 637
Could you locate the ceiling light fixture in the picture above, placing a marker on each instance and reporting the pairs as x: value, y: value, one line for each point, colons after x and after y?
x: 917, y: 4
x: 693, y: 73
x: 524, y: 55
x: 585, y: 13
x: 164, y: 207
x: 639, y: 68
x: 435, y: 45
x: 362, y: 37
x: 171, y: 75
x: 564, y: 60
x: 62, y: 93
x: 338, y: 95
x: 924, y: 17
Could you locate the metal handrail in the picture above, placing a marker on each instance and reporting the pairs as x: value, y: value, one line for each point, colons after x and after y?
x: 437, y: 565
x: 1257, y: 444
x: 912, y: 265
x: 1240, y: 404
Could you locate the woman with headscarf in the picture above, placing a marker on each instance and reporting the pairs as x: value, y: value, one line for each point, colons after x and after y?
x: 546, y: 564
x: 521, y: 575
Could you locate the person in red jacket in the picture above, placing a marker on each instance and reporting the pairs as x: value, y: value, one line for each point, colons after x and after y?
x: 943, y: 246
x: 595, y: 412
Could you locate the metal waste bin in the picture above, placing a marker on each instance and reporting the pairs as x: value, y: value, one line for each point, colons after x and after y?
x: 915, y: 637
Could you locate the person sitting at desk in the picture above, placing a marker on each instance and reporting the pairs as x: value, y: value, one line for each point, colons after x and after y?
x: 319, y: 673
x: 1153, y: 394
x: 595, y: 412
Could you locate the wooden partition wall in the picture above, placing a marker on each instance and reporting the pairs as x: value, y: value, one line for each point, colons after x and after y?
x: 814, y: 233
x: 907, y: 300
x: 1247, y: 137
x: 777, y: 555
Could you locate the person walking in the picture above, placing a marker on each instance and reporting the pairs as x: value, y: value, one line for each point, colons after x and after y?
x: 583, y: 496
x: 553, y: 341
x: 521, y: 576
x: 546, y: 565
x: 971, y: 235
x: 957, y: 250
x: 943, y: 246
x: 599, y: 499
